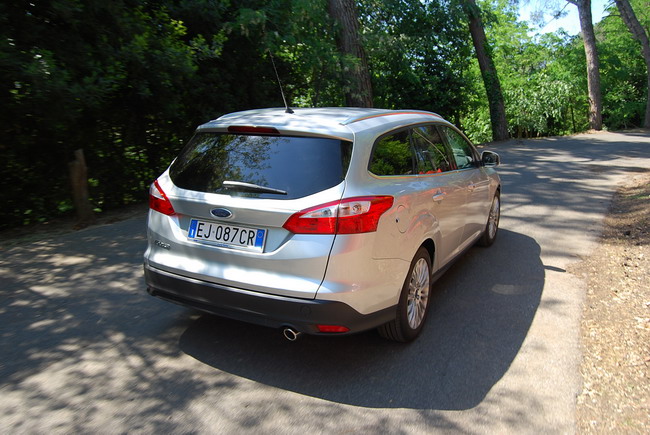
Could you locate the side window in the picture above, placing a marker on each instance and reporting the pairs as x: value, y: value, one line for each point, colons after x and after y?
x: 392, y: 155
x: 431, y: 151
x: 461, y: 149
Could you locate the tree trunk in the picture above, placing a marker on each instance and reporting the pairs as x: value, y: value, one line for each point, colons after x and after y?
x: 638, y: 33
x: 488, y: 71
x: 358, y: 92
x: 593, y: 65
x: 79, y: 183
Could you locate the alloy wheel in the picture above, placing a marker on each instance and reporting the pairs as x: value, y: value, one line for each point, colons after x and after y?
x: 493, y: 219
x: 418, y: 296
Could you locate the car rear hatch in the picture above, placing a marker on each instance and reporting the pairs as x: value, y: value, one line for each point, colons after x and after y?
x: 232, y: 191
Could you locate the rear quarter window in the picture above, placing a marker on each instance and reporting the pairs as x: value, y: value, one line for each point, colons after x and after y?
x: 392, y: 155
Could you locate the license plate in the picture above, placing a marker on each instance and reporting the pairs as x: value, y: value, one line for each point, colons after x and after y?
x: 230, y: 236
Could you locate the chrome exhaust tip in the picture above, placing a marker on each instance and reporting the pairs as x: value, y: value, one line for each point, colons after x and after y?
x: 291, y: 334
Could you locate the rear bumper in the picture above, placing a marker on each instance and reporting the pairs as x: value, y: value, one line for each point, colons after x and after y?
x: 259, y: 308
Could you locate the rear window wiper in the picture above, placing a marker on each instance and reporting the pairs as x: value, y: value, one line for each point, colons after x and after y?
x: 249, y: 187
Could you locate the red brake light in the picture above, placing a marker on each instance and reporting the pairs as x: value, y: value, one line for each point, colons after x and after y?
x: 158, y: 200
x: 347, y: 216
x: 252, y: 130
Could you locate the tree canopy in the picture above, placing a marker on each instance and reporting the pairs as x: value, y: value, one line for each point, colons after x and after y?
x: 127, y: 81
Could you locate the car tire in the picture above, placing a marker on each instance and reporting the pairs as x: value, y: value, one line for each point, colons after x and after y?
x: 413, y: 305
x: 492, y: 226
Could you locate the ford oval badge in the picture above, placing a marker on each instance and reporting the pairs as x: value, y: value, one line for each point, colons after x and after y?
x: 221, y: 212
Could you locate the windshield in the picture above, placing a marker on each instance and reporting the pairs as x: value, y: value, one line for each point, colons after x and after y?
x: 281, y: 167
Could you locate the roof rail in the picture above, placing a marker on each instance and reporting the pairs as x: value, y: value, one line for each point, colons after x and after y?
x: 388, y: 113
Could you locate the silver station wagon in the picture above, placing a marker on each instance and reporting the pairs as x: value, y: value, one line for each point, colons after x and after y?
x: 320, y: 221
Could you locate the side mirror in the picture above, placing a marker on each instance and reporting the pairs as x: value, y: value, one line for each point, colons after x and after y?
x: 488, y: 158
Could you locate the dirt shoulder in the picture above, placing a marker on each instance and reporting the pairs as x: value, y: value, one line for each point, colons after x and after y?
x: 616, y: 319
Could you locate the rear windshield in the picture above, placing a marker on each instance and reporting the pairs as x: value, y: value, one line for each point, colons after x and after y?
x: 299, y: 166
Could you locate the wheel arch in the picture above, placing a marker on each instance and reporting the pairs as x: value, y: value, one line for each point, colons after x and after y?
x: 430, y: 246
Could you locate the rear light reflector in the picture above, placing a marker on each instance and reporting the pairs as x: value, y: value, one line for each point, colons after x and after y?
x: 158, y: 200
x: 332, y: 328
x: 347, y: 216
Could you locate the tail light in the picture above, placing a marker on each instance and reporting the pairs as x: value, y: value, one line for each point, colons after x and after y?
x: 158, y: 200
x: 347, y: 216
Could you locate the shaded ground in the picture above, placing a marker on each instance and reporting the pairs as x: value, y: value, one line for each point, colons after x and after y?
x: 64, y: 225
x: 616, y: 320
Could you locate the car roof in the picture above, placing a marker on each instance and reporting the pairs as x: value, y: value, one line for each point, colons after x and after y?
x: 340, y: 122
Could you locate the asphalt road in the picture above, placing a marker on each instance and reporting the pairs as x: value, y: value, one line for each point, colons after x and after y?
x: 84, y: 349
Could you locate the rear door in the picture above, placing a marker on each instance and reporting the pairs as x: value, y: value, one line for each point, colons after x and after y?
x: 447, y: 197
x: 413, y: 165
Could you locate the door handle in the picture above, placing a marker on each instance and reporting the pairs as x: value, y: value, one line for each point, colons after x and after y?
x: 439, y: 196
x: 471, y: 187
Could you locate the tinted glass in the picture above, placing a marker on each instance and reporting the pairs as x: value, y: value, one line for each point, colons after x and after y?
x: 298, y: 165
x: 461, y: 149
x: 392, y: 155
x: 430, y: 150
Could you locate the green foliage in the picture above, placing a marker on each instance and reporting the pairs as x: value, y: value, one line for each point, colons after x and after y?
x: 623, y: 71
x: 418, y: 53
x: 128, y: 81
x: 102, y: 76
x: 541, y: 86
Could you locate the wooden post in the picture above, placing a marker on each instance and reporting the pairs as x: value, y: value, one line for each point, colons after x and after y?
x: 79, y: 184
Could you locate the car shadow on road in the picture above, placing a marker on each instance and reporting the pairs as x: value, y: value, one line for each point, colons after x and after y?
x: 483, y: 308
